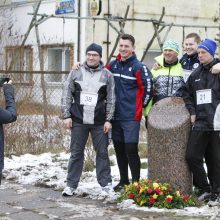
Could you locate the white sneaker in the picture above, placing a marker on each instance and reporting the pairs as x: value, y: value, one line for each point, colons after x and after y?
x: 68, y: 191
x: 108, y: 188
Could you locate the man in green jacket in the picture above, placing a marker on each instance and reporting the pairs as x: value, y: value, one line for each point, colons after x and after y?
x: 168, y: 79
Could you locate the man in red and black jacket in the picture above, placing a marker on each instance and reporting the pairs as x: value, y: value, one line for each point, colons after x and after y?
x: 133, y: 89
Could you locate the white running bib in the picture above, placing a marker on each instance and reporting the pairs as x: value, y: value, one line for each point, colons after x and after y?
x: 204, y: 96
x: 88, y: 98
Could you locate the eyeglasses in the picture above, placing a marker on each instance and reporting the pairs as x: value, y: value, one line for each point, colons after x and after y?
x: 92, y: 55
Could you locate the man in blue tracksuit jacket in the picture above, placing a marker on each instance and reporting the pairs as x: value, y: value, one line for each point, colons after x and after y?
x: 133, y: 89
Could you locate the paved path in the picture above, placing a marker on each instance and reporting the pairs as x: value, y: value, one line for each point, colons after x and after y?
x: 26, y: 202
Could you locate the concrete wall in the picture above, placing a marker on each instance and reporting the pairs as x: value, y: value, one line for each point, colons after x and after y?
x: 198, y: 12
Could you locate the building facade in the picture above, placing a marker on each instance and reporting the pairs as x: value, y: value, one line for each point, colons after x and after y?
x: 60, y: 38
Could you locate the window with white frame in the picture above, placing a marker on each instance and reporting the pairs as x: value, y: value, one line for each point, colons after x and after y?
x: 58, y: 59
x: 19, y: 60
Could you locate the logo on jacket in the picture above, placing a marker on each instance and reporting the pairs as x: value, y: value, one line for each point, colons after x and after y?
x: 145, y: 71
x: 130, y: 68
x: 195, y: 65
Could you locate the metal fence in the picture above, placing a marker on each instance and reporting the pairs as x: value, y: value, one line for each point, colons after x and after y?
x: 39, y: 127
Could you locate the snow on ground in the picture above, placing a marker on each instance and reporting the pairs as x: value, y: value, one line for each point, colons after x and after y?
x: 50, y: 170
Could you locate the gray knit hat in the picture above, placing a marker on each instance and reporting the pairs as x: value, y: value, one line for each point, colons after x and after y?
x: 95, y: 47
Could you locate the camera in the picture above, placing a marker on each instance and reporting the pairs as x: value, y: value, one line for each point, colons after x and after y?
x: 3, y: 80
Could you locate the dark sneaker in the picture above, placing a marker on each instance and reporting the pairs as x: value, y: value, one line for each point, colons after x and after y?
x: 68, y: 191
x: 202, y: 195
x: 120, y: 186
x: 214, y: 200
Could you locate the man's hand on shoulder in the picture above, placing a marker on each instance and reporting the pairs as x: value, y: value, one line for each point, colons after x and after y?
x: 76, y: 66
x: 156, y: 66
x: 215, y: 69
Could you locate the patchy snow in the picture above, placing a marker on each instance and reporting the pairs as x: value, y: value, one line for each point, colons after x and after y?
x: 50, y: 170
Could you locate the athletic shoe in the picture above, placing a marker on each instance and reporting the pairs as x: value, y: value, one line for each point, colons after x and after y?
x: 120, y: 186
x: 204, y: 196
x: 69, y: 191
x: 108, y: 188
x: 215, y: 200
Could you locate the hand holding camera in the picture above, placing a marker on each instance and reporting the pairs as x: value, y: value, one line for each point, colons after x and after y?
x: 4, y: 80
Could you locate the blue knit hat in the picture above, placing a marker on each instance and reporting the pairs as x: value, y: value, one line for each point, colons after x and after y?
x: 208, y: 45
x: 95, y: 47
x: 171, y: 45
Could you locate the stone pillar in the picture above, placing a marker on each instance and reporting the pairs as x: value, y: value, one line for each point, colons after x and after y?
x: 168, y: 132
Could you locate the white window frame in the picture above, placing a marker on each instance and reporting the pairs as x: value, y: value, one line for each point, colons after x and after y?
x: 65, y: 47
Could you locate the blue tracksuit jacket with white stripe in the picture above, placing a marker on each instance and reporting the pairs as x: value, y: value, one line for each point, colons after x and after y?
x: 133, y: 87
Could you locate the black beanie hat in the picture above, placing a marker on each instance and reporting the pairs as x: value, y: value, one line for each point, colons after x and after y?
x: 95, y: 47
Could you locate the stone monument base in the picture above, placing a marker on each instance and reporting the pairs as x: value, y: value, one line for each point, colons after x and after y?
x: 168, y: 132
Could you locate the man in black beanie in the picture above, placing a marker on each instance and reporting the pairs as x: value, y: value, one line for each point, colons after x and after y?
x: 88, y: 103
x: 95, y: 47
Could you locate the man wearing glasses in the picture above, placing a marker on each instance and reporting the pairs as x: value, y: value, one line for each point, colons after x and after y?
x: 88, y: 103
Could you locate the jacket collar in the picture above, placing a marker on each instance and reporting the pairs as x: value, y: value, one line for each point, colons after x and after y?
x: 133, y: 57
x: 100, y: 66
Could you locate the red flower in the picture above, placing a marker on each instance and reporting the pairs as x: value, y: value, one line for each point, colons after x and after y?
x: 157, y: 190
x: 131, y: 196
x: 169, y: 199
x: 149, y: 190
x: 151, y: 201
x: 185, y: 197
x: 138, y: 188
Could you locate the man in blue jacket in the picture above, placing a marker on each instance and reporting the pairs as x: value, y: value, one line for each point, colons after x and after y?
x: 133, y: 89
x: 7, y: 115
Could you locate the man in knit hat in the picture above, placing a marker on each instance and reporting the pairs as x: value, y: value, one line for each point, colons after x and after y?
x: 168, y: 78
x: 202, y: 99
x: 88, y: 103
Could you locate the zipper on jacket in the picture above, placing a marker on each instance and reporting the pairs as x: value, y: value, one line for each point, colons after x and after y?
x: 168, y: 82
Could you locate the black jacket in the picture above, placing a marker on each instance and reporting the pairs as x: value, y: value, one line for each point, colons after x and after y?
x: 189, y: 64
x: 7, y: 115
x: 201, y: 94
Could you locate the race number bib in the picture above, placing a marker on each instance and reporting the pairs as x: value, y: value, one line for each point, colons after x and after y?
x: 204, y: 96
x: 88, y: 98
